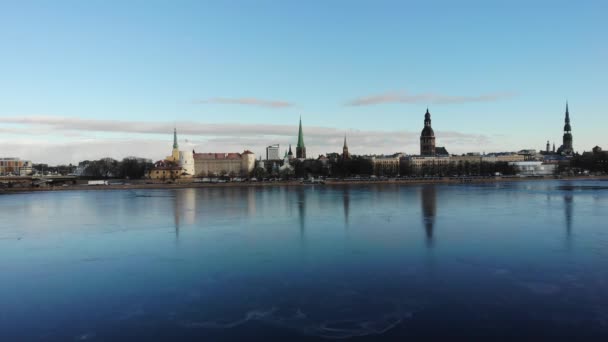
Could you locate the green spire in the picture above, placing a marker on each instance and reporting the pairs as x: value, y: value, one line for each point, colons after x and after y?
x: 175, y: 138
x: 300, y: 136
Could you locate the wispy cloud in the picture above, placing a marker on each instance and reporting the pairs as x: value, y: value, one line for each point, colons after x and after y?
x: 153, y: 139
x: 426, y: 98
x: 249, y: 101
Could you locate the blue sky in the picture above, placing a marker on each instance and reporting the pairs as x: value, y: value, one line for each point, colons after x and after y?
x: 83, y: 79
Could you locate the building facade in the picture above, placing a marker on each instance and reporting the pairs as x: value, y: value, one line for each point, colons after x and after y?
x: 385, y: 165
x: 165, y: 170
x: 272, y: 152
x: 186, y: 162
x: 533, y: 168
x: 224, y: 164
x: 418, y: 162
x: 15, y: 167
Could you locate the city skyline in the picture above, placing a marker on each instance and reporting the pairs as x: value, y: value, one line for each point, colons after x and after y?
x: 84, y: 81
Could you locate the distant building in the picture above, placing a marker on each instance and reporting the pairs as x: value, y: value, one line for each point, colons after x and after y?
x: 290, y: 154
x: 224, y: 164
x: 286, y: 168
x: 272, y: 152
x: 178, y: 159
x: 385, y: 165
x: 300, y: 148
x: 186, y: 161
x: 418, y: 162
x: 533, y: 168
x: 567, y: 147
x: 165, y: 170
x: 506, y: 157
x: 15, y: 167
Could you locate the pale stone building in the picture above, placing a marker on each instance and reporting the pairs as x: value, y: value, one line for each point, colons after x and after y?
x: 220, y: 164
x: 420, y: 161
x: 385, y: 165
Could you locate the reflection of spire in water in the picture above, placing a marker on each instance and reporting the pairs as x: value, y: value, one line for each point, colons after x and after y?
x: 176, y: 205
x: 429, y: 208
x: 301, y: 208
x: 568, y: 201
x: 346, y: 202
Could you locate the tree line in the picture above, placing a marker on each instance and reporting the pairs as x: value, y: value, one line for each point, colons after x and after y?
x: 127, y: 168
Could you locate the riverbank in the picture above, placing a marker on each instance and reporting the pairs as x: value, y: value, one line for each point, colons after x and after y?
x: 188, y: 185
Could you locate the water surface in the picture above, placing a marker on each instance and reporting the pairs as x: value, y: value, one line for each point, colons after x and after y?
x: 366, y: 262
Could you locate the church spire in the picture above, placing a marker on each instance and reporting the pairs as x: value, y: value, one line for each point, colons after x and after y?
x: 300, y: 135
x: 345, y: 153
x: 567, y: 127
x: 300, y: 148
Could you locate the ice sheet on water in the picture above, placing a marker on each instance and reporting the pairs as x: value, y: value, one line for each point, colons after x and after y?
x: 303, y: 323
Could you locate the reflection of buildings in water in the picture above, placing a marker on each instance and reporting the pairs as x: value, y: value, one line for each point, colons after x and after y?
x: 568, y: 202
x: 184, y: 208
x: 429, y: 209
x: 346, y: 203
x: 251, y: 208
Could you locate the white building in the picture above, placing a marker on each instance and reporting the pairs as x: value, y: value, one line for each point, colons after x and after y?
x: 533, y: 168
x: 272, y: 152
x: 186, y: 161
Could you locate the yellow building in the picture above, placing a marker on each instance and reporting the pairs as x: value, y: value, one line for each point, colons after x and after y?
x: 165, y: 170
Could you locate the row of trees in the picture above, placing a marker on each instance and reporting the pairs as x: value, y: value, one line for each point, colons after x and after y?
x: 59, y: 169
x: 593, y: 162
x: 364, y: 166
x: 128, y: 168
x: 465, y: 168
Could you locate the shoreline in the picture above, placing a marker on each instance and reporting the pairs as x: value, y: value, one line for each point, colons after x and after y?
x: 193, y: 185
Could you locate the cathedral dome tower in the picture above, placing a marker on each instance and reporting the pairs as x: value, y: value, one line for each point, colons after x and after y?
x: 427, y: 137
